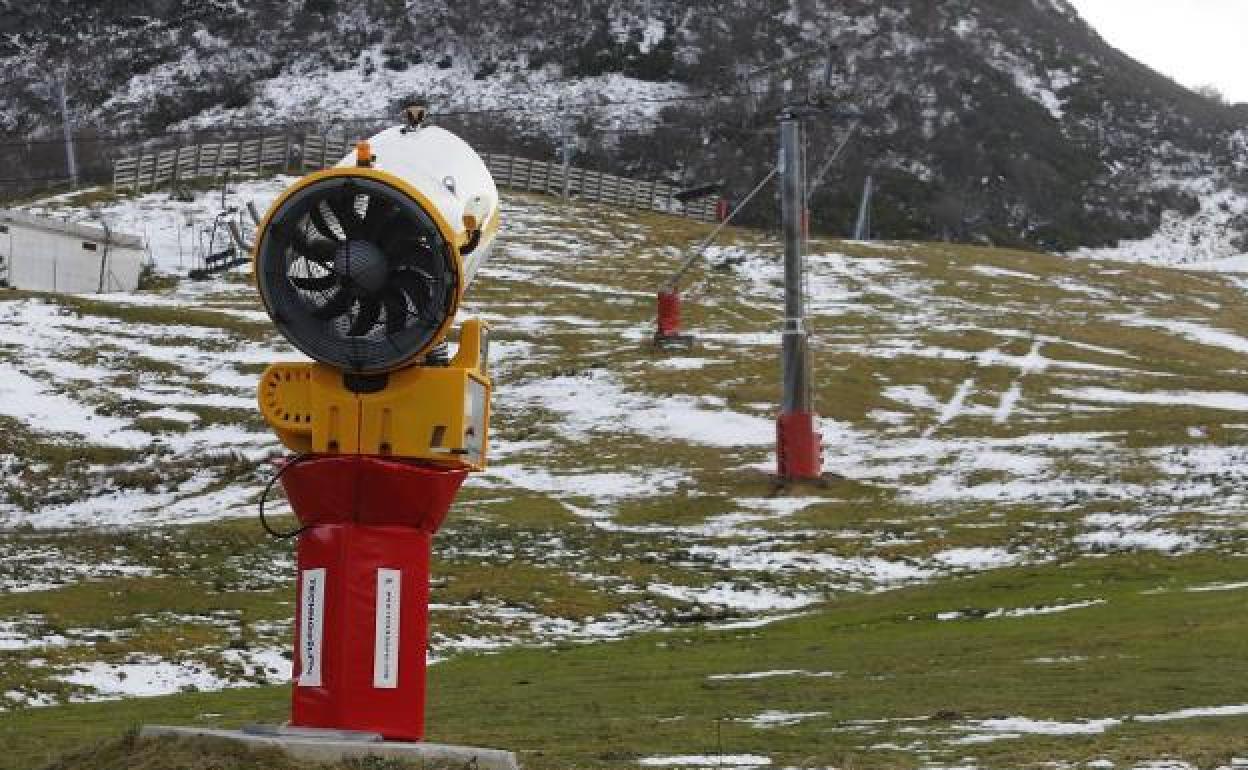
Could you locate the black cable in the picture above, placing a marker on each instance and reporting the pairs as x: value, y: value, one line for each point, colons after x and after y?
x: 297, y: 459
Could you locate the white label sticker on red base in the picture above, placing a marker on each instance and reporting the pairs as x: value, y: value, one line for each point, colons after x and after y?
x: 311, y: 626
x: 386, y: 641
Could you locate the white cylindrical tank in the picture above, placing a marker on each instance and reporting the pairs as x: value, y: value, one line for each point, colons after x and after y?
x: 450, y: 174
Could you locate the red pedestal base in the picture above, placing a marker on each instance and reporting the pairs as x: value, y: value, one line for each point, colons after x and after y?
x: 799, y: 451
x: 669, y: 315
x: 361, y: 629
x: 668, y: 333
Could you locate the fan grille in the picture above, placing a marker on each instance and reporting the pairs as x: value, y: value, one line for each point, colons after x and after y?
x: 356, y: 274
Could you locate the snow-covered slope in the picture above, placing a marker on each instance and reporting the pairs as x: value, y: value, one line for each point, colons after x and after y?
x: 981, y: 409
x: 1212, y: 237
x: 184, y: 360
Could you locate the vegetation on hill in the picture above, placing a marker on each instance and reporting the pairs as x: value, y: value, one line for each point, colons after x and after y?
x: 1008, y: 121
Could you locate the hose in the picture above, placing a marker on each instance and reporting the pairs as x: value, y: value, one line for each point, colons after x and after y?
x: 268, y: 488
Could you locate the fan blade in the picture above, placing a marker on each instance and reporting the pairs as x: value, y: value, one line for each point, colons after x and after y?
x: 336, y: 306
x: 344, y: 211
x: 322, y: 224
x: 411, y: 252
x: 396, y: 311
x: 318, y: 251
x: 418, y: 287
x: 370, y: 310
x: 379, y: 214
x: 396, y: 226
x: 314, y: 282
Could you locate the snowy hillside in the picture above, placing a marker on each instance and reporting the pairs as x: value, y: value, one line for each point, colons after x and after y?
x: 1211, y: 237
x: 983, y: 409
x: 1010, y: 121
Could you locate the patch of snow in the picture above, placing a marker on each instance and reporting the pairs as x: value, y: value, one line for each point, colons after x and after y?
x: 979, y: 558
x: 951, y: 410
x: 1217, y: 587
x: 779, y: 507
x: 1020, y: 612
x: 1196, y: 713
x: 1135, y: 541
x: 172, y: 415
x: 1025, y: 726
x: 769, y: 719
x: 13, y: 638
x: 595, y: 402
x: 1237, y: 402
x: 142, y: 679
x: 601, y: 486
x: 1009, y: 400
x: 775, y: 673
x: 1001, y: 272
x: 701, y: 760
x: 1194, y: 331
x: 728, y: 595
x: 761, y: 558
x: 24, y: 398
x: 741, y: 625
x: 978, y: 738
x: 682, y: 364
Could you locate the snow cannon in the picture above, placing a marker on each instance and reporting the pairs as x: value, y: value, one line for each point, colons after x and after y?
x: 363, y: 267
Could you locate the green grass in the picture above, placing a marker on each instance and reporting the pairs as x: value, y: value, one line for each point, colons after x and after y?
x: 604, y: 705
x: 507, y: 549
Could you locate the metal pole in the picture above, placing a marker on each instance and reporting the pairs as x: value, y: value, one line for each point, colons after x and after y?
x: 70, y: 161
x: 862, y: 228
x: 566, y: 151
x: 796, y: 396
x: 798, y: 452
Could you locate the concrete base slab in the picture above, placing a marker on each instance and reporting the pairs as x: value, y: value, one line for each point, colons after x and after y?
x: 333, y: 745
x: 674, y: 341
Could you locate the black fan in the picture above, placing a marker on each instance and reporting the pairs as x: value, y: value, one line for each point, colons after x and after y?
x: 357, y: 275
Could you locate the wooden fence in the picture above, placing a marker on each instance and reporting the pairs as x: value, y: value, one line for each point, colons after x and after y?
x: 270, y: 153
x: 583, y: 184
x: 312, y: 152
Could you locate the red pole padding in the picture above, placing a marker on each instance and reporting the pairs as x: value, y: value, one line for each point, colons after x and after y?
x: 336, y: 489
x: 669, y: 314
x: 722, y: 209
x: 362, y: 594
x: 362, y: 629
x: 799, y: 451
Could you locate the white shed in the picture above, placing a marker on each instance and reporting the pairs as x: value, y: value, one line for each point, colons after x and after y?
x: 40, y: 254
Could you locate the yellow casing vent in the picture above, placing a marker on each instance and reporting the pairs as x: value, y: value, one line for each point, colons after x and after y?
x: 439, y: 414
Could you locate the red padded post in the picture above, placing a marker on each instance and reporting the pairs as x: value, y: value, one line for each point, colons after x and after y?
x: 799, y: 451
x: 362, y: 630
x: 669, y: 314
x: 362, y: 609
